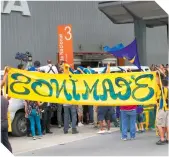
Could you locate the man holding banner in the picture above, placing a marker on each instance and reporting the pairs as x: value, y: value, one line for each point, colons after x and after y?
x: 69, y: 109
x: 162, y: 116
x: 51, y: 69
x: 104, y: 112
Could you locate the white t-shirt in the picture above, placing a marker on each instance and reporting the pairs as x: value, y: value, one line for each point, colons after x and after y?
x: 46, y: 69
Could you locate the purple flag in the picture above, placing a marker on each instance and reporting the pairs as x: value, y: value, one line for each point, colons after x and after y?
x: 129, y: 52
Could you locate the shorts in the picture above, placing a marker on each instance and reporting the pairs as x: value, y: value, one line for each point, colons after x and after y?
x: 162, y: 118
x: 140, y: 118
x: 80, y: 110
x: 104, y: 113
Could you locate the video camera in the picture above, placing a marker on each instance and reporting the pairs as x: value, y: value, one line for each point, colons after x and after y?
x: 26, y: 57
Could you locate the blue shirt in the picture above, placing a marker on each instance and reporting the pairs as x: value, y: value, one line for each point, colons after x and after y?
x: 32, y: 68
x: 139, y: 109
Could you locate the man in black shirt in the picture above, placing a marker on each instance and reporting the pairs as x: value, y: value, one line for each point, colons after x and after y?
x: 4, y: 123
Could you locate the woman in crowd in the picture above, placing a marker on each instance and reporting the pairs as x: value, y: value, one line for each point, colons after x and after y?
x: 32, y: 111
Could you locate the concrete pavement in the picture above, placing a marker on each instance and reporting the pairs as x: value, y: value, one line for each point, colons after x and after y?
x: 25, y: 144
x: 104, y: 145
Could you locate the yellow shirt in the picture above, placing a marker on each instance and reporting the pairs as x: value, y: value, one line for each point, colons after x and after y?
x: 158, y: 92
x: 165, y: 93
x: 164, y: 105
x: 66, y: 68
x: 108, y: 68
x: 166, y: 97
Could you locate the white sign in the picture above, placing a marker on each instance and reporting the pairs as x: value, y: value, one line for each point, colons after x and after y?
x: 10, y: 6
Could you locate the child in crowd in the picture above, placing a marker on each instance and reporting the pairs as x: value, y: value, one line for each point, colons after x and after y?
x: 139, y: 119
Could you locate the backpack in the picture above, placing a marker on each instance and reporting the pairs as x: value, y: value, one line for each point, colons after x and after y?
x: 50, y: 69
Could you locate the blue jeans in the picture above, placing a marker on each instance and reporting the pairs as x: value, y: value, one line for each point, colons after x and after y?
x: 67, y: 111
x: 114, y: 116
x: 128, y: 117
x: 35, y: 118
x: 91, y: 113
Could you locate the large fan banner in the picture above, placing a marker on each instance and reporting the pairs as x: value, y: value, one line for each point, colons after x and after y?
x: 84, y: 89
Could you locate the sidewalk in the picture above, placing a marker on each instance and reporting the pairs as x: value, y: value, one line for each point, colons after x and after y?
x: 24, y: 144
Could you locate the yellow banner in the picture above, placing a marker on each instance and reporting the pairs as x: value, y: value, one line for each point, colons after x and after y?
x: 84, y: 89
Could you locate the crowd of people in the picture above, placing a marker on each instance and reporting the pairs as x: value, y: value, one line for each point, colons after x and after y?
x: 39, y: 114
x: 68, y: 116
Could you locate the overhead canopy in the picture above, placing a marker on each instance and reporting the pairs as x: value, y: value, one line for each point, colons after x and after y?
x: 122, y: 12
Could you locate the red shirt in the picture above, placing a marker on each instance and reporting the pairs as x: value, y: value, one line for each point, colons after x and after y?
x: 128, y: 108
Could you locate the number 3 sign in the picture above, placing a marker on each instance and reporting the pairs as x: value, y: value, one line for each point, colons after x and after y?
x: 65, y: 44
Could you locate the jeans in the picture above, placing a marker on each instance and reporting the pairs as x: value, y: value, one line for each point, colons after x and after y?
x: 114, y: 117
x: 113, y: 114
x: 67, y: 111
x: 59, y: 114
x: 46, y: 117
x: 128, y: 117
x: 35, y: 118
x: 91, y: 114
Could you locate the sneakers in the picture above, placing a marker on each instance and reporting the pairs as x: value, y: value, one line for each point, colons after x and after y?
x: 34, y: 138
x: 124, y: 139
x: 80, y: 124
x: 132, y: 138
x: 142, y: 131
x: 109, y: 131
x: 40, y: 137
x: 161, y: 142
x: 101, y: 132
x: 74, y: 131
x: 65, y: 132
x: 59, y: 126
